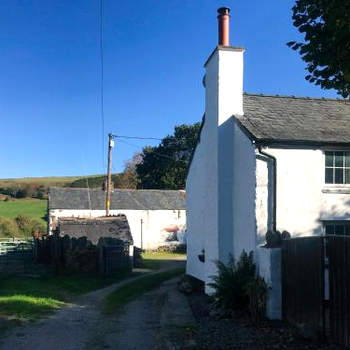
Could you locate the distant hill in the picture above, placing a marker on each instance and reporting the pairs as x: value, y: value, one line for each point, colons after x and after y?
x: 44, y: 181
x: 36, y: 187
x: 94, y: 181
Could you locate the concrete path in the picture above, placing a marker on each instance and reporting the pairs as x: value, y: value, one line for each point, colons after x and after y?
x: 142, y: 325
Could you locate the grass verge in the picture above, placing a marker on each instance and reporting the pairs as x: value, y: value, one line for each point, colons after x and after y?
x: 134, y: 289
x: 157, y: 260
x: 30, y: 298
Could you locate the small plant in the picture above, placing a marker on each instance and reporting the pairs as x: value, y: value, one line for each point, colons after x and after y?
x: 257, y: 292
x: 230, y: 283
x: 237, y: 286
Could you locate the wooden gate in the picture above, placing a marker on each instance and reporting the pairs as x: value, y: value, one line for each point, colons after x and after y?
x: 316, y: 285
x: 15, y: 256
x: 303, y: 281
x: 338, y: 252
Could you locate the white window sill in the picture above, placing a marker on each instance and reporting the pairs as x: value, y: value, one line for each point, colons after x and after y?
x: 341, y: 189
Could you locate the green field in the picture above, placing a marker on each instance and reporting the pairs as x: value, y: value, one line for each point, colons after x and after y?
x: 44, y: 181
x: 35, y: 208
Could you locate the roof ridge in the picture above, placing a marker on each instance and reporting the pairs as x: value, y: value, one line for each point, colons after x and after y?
x: 298, y: 97
x: 116, y: 189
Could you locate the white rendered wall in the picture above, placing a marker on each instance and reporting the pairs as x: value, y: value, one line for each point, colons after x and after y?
x: 303, y: 198
x: 154, y: 222
x: 244, y: 192
x: 201, y: 187
x: 211, y: 182
x: 262, y: 198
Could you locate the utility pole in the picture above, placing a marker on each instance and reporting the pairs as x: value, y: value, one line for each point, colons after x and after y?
x: 109, y: 174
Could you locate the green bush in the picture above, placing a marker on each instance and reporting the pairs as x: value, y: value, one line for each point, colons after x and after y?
x: 20, y: 226
x: 237, y: 286
x: 27, y: 226
x: 8, y: 228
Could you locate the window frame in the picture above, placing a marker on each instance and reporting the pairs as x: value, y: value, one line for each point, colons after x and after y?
x: 344, y: 167
x: 336, y: 223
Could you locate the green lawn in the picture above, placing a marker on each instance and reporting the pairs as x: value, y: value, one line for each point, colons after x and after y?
x: 35, y: 208
x: 157, y: 260
x: 134, y: 289
x: 30, y: 298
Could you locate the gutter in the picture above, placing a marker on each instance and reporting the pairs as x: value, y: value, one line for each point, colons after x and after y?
x: 274, y: 204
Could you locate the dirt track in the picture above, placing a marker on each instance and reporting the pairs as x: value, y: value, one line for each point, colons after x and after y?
x: 83, y: 326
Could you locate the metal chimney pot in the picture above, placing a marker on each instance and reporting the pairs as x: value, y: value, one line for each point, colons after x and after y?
x: 224, y: 26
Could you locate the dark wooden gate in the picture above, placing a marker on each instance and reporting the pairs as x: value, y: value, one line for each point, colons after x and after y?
x: 316, y: 285
x: 303, y: 281
x: 338, y: 252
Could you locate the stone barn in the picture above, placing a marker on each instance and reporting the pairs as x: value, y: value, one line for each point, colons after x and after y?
x: 156, y: 217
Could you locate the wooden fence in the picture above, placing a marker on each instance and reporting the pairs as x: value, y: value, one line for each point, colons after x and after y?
x: 316, y: 285
x: 78, y: 255
x: 114, y: 258
x: 338, y: 249
x: 16, y: 256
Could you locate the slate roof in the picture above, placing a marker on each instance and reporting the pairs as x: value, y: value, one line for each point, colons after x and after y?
x: 95, y: 199
x: 296, y: 119
x: 97, y: 228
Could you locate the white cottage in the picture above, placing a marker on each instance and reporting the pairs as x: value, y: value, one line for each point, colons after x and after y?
x: 262, y: 162
x: 156, y: 217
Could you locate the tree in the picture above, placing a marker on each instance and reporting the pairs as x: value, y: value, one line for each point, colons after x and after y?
x: 326, y: 46
x: 165, y: 166
x: 129, y: 178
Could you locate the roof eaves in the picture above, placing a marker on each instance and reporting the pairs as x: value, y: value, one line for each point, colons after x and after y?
x: 245, y: 130
x: 298, y: 97
x: 299, y: 143
x: 195, y: 147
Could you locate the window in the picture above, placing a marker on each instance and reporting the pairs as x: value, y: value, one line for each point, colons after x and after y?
x: 337, y: 228
x: 337, y: 167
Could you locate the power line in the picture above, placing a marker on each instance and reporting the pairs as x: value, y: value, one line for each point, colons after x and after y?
x: 137, y: 137
x: 167, y: 143
x: 157, y: 154
x: 102, y: 82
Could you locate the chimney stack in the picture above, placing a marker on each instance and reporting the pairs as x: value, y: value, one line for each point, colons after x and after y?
x: 224, y: 26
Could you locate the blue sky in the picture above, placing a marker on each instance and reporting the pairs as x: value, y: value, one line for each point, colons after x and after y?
x: 154, y: 55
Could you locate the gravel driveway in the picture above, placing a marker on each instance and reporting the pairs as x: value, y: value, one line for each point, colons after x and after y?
x: 83, y: 326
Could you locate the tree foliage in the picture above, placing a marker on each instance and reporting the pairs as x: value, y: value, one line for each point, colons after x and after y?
x: 127, y: 179
x: 326, y: 47
x: 165, y: 166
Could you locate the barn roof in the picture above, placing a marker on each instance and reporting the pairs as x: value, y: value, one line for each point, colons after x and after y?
x: 96, y: 228
x: 292, y: 119
x: 95, y: 199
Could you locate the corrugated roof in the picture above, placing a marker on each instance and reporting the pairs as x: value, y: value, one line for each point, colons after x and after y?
x: 288, y: 118
x: 95, y: 199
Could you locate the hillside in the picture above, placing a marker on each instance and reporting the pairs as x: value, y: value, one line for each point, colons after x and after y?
x: 34, y: 208
x: 43, y: 181
x: 37, y: 187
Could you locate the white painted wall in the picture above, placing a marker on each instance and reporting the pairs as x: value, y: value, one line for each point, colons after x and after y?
x: 221, y: 180
x: 270, y: 268
x: 244, y: 194
x: 201, y: 186
x: 303, y: 198
x: 154, y: 222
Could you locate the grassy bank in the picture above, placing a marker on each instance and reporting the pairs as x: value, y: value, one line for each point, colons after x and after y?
x: 134, y: 289
x: 31, y: 298
x: 157, y: 260
x: 44, y: 181
x: 35, y: 208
